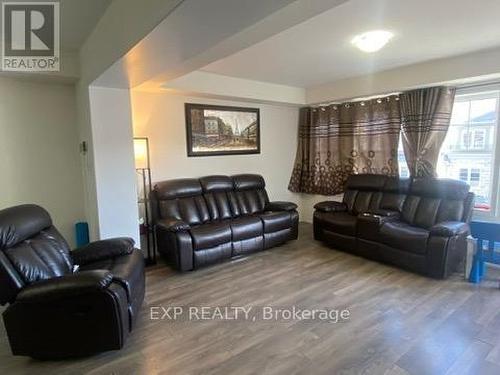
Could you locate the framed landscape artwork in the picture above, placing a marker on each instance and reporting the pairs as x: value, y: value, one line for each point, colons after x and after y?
x: 221, y: 130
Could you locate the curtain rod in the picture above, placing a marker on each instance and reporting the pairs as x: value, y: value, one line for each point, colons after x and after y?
x: 355, y: 99
x: 383, y: 95
x: 478, y: 84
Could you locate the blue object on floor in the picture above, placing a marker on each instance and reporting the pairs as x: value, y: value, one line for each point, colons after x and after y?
x: 487, y: 236
x: 82, y: 234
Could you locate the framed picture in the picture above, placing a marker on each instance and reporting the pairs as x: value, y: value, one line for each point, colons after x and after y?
x: 220, y: 130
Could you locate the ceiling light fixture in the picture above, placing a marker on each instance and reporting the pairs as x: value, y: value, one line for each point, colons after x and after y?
x: 372, y: 41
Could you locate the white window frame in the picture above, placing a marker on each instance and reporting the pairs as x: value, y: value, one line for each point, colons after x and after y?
x: 466, y: 138
x: 494, y: 213
x: 475, y: 183
x: 460, y: 170
x: 473, y: 143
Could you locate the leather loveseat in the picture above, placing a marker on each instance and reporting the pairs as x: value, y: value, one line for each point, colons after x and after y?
x: 420, y: 224
x: 207, y: 220
x: 65, y: 303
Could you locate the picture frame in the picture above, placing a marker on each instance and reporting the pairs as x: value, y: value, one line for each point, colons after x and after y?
x: 214, y: 130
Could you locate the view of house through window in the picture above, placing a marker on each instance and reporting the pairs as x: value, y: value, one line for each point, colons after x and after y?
x: 468, y: 152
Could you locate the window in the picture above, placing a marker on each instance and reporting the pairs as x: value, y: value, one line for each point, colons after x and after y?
x: 475, y: 176
x: 464, y: 174
x: 403, y: 167
x: 469, y: 151
x: 479, y: 139
x: 465, y: 139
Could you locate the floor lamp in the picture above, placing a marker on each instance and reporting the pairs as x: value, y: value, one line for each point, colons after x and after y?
x: 141, y: 153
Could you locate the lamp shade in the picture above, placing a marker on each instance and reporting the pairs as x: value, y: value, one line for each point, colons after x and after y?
x: 141, y: 153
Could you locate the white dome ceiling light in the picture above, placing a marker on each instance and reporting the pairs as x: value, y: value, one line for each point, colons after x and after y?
x: 372, y: 41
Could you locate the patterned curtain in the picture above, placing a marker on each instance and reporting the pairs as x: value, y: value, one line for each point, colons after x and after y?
x: 425, y: 118
x: 339, y: 140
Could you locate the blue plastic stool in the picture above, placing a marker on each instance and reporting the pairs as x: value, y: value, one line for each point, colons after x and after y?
x: 484, y: 231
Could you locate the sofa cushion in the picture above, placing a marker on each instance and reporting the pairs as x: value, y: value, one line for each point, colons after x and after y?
x: 368, y: 225
x: 392, y: 201
x: 401, y: 235
x: 340, y: 222
x: 178, y: 188
x: 367, y: 182
x: 425, y: 216
x: 191, y: 210
x: 275, y: 221
x: 22, y: 222
x: 43, y: 256
x: 363, y: 192
x: 440, y: 188
x: 248, y: 182
x: 212, y: 255
x: 246, y: 227
x: 362, y: 202
x: 249, y: 196
x: 210, y: 235
x: 215, y: 192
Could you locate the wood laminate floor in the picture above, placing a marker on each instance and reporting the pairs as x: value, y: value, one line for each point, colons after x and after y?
x: 400, y: 323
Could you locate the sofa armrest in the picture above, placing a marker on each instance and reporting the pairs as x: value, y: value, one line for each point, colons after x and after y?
x: 69, y: 285
x: 173, y: 225
x: 104, y: 249
x: 450, y: 229
x: 280, y: 206
x: 331, y: 206
x: 175, y: 243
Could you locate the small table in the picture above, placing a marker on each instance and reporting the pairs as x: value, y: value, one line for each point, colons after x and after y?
x: 478, y: 254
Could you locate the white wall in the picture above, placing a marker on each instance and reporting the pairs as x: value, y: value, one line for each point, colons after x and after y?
x: 160, y: 117
x: 231, y: 88
x: 114, y: 168
x: 114, y: 56
x: 39, y: 156
x: 468, y: 68
x: 194, y: 34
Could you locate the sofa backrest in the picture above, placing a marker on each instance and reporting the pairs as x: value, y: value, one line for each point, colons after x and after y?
x: 218, y: 194
x: 422, y: 202
x: 433, y: 200
x: 363, y: 192
x: 250, y: 194
x: 209, y: 198
x: 31, y: 249
x: 394, y: 193
x: 181, y: 199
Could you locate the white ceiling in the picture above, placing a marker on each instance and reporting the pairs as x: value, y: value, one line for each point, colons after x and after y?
x: 319, y: 51
x: 78, y: 18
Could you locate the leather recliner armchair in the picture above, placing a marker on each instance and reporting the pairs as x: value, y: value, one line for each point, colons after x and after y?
x: 203, y: 221
x: 420, y: 224
x: 56, y: 310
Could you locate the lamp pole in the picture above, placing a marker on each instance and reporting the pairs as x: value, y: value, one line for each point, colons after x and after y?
x: 141, y: 151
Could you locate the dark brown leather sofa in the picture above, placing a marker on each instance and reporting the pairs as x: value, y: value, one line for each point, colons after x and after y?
x: 56, y: 311
x: 420, y: 225
x: 203, y: 221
